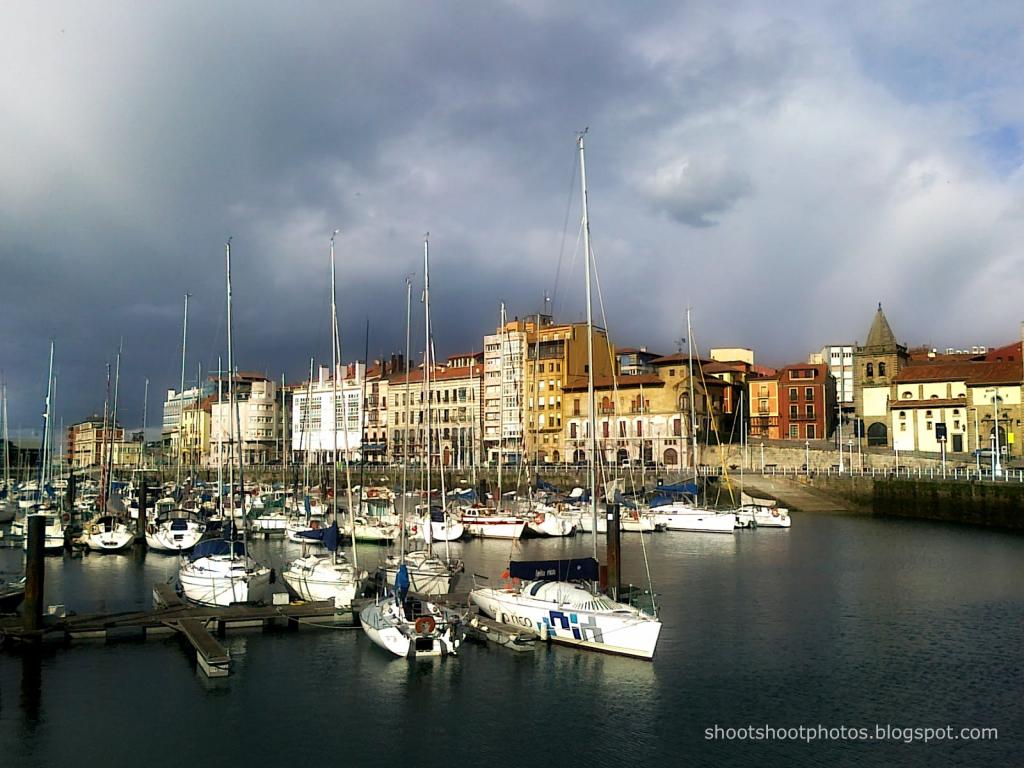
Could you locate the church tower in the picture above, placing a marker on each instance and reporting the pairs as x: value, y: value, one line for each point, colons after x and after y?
x: 875, y: 364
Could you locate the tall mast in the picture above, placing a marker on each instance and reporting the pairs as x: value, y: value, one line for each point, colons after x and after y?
x: 592, y: 451
x: 233, y: 434
x: 46, y: 424
x: 113, y: 427
x: 344, y: 418
x: 145, y: 413
x: 6, y: 437
x: 693, y: 403
x: 501, y: 408
x: 408, y: 414
x: 335, y: 355
x: 181, y: 393
x: 104, y: 436
x: 426, y: 365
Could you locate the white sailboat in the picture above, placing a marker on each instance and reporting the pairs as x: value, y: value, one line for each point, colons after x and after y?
x: 325, y: 577
x: 174, y: 531
x: 411, y: 630
x: 319, y: 576
x: 221, y: 571
x: 552, y: 601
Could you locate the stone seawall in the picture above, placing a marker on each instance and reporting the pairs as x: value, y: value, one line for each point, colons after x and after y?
x: 993, y: 505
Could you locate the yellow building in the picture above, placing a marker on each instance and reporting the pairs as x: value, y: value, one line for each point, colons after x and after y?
x: 643, y: 418
x: 195, y: 434
x: 555, y: 356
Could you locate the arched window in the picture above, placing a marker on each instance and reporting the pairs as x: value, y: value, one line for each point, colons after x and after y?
x: 671, y: 457
x: 869, y: 370
x: 881, y: 369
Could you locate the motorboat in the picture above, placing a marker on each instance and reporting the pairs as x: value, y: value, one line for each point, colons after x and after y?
x: 492, y: 523
x: 557, y: 606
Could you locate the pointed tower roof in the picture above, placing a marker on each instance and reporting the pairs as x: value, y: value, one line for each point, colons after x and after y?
x: 881, y: 334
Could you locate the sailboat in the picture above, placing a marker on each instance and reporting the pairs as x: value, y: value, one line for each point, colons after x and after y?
x: 428, y: 573
x: 554, y: 599
x: 411, y: 628
x: 110, y: 532
x: 319, y: 576
x: 689, y: 515
x: 221, y: 571
x: 8, y: 506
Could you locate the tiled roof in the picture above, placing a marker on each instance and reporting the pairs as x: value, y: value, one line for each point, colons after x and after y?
x: 973, y: 372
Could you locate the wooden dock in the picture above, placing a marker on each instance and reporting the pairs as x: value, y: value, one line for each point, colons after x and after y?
x: 170, y: 614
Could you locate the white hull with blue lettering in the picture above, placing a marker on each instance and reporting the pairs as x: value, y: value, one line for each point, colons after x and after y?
x: 566, y: 613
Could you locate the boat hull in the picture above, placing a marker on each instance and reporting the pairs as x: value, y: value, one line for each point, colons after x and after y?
x: 606, y: 632
x: 211, y: 581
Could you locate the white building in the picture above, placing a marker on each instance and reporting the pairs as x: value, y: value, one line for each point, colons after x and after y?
x: 259, y: 418
x: 839, y: 359
x: 504, y: 353
x: 320, y: 423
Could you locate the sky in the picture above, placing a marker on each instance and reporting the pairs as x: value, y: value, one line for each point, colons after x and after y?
x: 780, y: 168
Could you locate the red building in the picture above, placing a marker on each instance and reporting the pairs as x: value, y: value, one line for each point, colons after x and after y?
x: 807, y: 402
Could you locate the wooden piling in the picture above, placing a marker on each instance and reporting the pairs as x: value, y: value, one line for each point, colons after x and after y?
x: 140, y: 530
x: 34, y: 571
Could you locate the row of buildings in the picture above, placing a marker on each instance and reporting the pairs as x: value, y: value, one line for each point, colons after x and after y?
x: 524, y: 398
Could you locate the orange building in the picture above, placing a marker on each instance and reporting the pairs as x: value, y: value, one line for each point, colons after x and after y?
x: 763, y: 394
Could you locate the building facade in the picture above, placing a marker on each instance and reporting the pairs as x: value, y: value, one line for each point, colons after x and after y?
x: 455, y: 415
x: 763, y: 394
x: 807, y: 402
x: 259, y: 424
x: 876, y: 363
x: 322, y: 423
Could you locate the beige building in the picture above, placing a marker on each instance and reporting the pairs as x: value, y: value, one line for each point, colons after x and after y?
x: 875, y: 365
x: 88, y: 445
x: 455, y: 392
x: 956, y: 404
x: 259, y: 420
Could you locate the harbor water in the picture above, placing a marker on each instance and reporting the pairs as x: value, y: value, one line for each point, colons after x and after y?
x: 848, y: 622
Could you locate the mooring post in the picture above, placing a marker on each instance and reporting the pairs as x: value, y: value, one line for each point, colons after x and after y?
x: 140, y: 524
x: 612, y: 549
x: 33, y: 611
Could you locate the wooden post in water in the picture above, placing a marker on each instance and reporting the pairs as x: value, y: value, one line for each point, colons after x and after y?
x: 33, y: 610
x: 140, y: 524
x: 613, y: 550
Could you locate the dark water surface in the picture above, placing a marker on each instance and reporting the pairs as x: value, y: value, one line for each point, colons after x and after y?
x: 841, y: 621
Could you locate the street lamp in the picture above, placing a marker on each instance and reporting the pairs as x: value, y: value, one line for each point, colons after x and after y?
x: 762, y: 457
x: 849, y: 443
x: 807, y: 457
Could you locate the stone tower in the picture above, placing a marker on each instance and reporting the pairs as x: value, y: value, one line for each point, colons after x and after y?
x: 875, y: 364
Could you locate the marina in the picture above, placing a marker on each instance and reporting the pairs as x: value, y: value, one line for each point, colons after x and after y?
x: 751, y: 621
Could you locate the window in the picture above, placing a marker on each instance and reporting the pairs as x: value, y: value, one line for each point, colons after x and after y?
x: 811, y: 432
x: 903, y: 426
x: 794, y: 430
x: 869, y: 370
x: 792, y: 393
x: 677, y: 427
x: 928, y: 426
x: 810, y: 411
x: 763, y: 391
x: 808, y: 393
x: 762, y: 406
x: 793, y: 411
x: 622, y: 429
x: 572, y: 430
x: 576, y: 407
x: 881, y: 369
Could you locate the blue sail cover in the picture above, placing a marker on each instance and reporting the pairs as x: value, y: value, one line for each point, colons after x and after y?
x: 543, y: 485
x: 305, y: 505
x: 212, y: 547
x: 402, y: 583
x: 687, y: 488
x: 436, y: 515
x: 329, y: 537
x: 577, y: 569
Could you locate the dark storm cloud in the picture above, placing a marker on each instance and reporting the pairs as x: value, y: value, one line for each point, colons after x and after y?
x: 138, y: 138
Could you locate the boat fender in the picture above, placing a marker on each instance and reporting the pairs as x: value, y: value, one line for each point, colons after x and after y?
x: 273, y: 575
x: 425, y: 625
x: 544, y: 631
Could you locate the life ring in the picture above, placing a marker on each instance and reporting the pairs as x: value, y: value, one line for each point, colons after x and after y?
x: 94, y: 529
x: 425, y: 625
x: 414, y: 529
x: 775, y: 513
x: 538, y: 518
